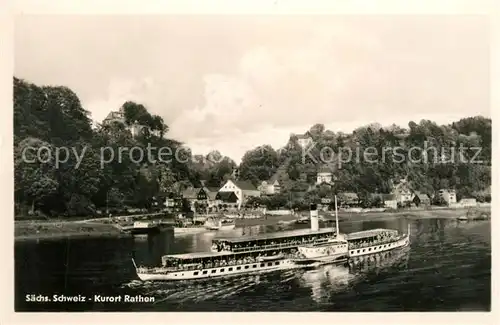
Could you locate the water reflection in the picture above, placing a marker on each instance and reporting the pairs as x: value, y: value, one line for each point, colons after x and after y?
x: 449, y: 267
x: 330, y: 280
x: 326, y: 280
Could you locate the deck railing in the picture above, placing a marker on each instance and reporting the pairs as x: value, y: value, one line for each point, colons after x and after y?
x: 270, y: 247
x: 377, y: 242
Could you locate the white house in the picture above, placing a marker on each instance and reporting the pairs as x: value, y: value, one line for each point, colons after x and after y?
x: 242, y: 189
x: 449, y: 196
x: 270, y: 187
x: 324, y: 176
x: 468, y: 202
x: 402, y: 192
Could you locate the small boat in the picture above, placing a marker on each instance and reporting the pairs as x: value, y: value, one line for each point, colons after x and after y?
x: 219, y: 224
x: 142, y: 228
x: 482, y: 216
x: 213, y: 224
x: 463, y: 218
x: 249, y: 216
x: 188, y: 230
x: 227, y: 225
x: 302, y: 220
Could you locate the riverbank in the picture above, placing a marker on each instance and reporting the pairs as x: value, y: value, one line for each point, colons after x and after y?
x: 364, y: 216
x: 263, y: 221
x: 32, y: 230
x: 447, y: 213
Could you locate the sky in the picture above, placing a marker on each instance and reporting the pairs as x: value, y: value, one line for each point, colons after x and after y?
x: 233, y: 83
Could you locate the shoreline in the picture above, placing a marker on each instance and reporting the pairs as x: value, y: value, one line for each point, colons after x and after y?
x: 47, y: 230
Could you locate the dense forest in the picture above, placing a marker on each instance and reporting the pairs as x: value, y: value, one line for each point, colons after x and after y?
x: 427, y: 156
x: 52, y: 117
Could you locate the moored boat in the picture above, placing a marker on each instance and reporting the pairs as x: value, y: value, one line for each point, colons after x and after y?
x: 189, y: 230
x: 142, y: 228
x: 219, y: 224
x: 213, y: 224
x: 302, y: 220
x: 227, y: 225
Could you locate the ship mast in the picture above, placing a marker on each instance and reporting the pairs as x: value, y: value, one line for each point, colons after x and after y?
x: 336, y: 217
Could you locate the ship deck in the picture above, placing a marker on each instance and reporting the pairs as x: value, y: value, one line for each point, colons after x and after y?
x: 367, y: 233
x: 196, y: 255
x: 276, y: 235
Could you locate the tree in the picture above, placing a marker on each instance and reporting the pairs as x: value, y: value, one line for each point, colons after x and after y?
x: 259, y: 164
x: 438, y: 200
x: 35, y: 174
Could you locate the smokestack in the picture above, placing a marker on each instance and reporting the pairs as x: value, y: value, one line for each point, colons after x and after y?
x: 314, y: 217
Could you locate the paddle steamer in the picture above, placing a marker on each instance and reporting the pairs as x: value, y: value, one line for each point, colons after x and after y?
x: 274, y: 251
x: 239, y: 255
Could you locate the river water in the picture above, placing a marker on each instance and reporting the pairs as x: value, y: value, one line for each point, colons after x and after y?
x: 446, y: 268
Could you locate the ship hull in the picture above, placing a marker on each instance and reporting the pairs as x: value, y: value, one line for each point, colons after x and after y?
x: 227, y: 227
x: 403, y: 242
x: 221, y: 271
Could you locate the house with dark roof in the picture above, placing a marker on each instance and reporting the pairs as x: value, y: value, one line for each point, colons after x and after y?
x: 205, y: 195
x: 191, y: 193
x: 135, y: 128
x: 211, y: 193
x: 115, y: 116
x: 421, y: 199
x: 229, y: 199
x: 242, y: 190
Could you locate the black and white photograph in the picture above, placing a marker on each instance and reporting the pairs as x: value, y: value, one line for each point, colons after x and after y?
x: 252, y: 163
